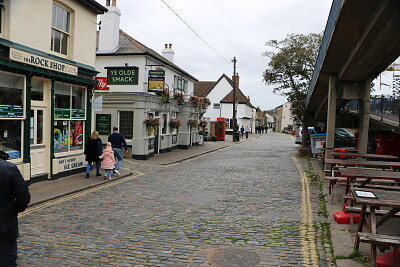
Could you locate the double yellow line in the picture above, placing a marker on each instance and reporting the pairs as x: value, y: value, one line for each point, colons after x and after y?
x: 79, y: 194
x: 307, y: 228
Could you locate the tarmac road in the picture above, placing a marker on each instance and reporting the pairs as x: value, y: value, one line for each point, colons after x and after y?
x: 245, y: 205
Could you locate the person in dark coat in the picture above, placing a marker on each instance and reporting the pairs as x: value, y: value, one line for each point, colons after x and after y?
x: 117, y: 141
x: 14, y: 198
x: 93, y: 150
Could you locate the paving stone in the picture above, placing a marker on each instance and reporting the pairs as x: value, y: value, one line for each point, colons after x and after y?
x: 247, y: 197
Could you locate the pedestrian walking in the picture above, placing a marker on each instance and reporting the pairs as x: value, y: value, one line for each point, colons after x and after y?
x: 266, y: 129
x: 117, y: 140
x: 93, y: 151
x: 108, y: 163
x: 248, y: 130
x: 14, y: 198
x: 241, y: 131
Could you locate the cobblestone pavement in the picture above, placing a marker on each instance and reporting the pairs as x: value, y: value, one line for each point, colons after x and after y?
x: 239, y: 206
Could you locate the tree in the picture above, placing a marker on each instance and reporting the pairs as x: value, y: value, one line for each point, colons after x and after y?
x: 290, y: 68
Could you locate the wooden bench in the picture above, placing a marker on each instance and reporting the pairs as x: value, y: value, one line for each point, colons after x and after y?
x: 377, y: 212
x: 383, y: 242
x: 333, y: 180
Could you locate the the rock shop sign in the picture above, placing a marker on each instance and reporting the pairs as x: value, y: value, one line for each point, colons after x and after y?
x: 42, y: 62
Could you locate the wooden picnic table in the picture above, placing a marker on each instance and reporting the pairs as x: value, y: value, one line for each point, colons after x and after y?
x: 365, y: 155
x: 368, y: 174
x: 388, y: 199
x: 363, y: 163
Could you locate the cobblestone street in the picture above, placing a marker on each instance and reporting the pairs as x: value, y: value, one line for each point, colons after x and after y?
x: 245, y: 199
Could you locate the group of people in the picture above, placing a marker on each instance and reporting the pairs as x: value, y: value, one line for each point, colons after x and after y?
x: 260, y: 129
x: 110, y: 157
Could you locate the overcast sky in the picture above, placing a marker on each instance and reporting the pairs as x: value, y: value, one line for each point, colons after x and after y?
x: 233, y: 28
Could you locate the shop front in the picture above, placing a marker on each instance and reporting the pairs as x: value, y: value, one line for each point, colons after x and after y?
x: 44, y: 111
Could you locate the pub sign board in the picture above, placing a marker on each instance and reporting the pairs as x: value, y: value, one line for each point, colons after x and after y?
x: 123, y: 75
x: 103, y: 124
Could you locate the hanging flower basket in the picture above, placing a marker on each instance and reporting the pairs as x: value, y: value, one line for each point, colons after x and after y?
x: 175, y: 124
x: 179, y: 98
x: 194, y: 100
x: 151, y: 125
x: 205, y: 102
x: 203, y: 124
x: 164, y: 95
x: 192, y: 123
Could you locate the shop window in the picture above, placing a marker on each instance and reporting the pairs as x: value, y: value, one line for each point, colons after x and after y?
x: 165, y: 123
x: 2, y: 8
x: 11, y: 88
x: 10, y: 137
x: 60, y: 30
x: 68, y: 135
x: 126, y: 124
x: 37, y: 89
x: 69, y: 101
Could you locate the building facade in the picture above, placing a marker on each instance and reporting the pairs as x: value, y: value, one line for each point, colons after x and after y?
x: 138, y: 85
x: 220, y: 94
x: 46, y: 80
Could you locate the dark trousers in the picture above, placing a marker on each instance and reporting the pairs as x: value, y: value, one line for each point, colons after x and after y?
x: 8, y: 254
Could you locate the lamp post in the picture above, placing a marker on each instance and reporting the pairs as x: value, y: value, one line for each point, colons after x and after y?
x: 234, y: 101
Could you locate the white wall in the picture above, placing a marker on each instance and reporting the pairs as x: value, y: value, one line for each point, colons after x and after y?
x: 220, y: 90
x: 30, y: 25
x: 286, y: 116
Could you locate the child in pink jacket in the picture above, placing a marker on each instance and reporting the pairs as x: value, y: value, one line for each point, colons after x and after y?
x: 108, y: 163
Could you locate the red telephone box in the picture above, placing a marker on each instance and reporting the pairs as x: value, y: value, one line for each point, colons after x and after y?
x: 220, y: 129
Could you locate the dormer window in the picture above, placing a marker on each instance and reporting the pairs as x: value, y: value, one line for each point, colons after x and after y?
x: 60, y: 30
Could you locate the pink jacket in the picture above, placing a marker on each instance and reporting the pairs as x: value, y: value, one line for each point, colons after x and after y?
x: 108, y: 162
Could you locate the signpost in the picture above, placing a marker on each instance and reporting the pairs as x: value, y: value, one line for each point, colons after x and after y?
x: 156, y: 80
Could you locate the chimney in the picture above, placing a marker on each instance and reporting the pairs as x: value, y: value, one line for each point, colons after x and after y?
x: 168, y: 52
x: 236, y: 80
x: 109, y: 30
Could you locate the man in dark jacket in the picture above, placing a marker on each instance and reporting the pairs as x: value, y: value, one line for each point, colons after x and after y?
x: 117, y: 140
x: 14, y: 198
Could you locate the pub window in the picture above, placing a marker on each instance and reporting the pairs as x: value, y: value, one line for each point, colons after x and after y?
x: 60, y: 30
x: 165, y: 123
x: 126, y: 124
x: 217, y: 106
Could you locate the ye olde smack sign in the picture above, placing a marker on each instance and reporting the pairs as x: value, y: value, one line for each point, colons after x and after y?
x: 42, y: 62
x: 122, y: 75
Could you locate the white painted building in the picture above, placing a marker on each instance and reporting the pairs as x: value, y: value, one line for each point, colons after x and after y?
x: 47, y: 67
x: 129, y: 70
x: 220, y: 93
x: 284, y: 120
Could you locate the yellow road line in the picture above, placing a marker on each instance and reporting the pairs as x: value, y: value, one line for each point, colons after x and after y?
x: 307, y: 229
x: 79, y: 194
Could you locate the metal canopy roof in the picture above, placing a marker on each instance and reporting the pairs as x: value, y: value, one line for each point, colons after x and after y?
x: 361, y: 39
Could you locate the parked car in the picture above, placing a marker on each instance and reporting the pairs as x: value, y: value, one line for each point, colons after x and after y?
x: 299, y: 134
x: 344, y: 138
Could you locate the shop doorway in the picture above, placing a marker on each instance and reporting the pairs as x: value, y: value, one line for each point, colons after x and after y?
x: 38, y: 147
